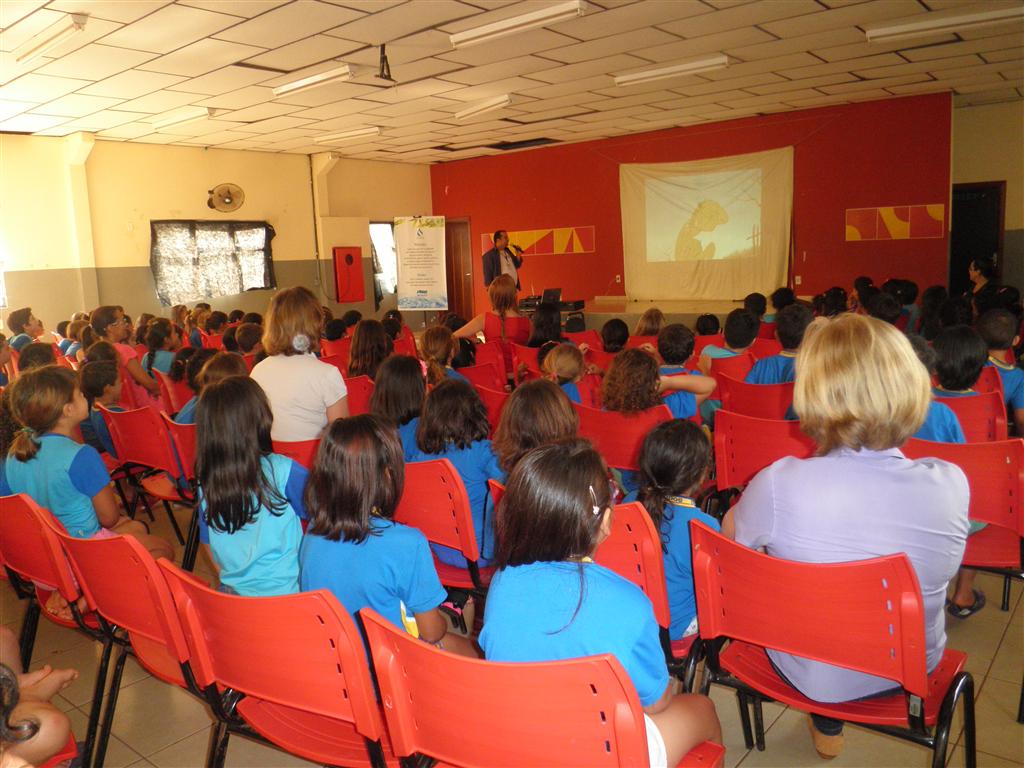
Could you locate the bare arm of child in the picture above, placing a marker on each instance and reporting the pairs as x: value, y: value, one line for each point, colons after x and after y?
x: 1018, y: 416
x: 109, y: 514
x: 140, y: 376
x: 704, y: 364
x: 107, y: 510
x: 433, y: 628
x: 685, y: 721
x: 337, y: 411
x: 698, y: 385
x: 470, y: 329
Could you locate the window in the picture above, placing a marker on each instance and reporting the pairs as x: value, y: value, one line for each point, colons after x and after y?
x: 382, y: 235
x: 205, y: 259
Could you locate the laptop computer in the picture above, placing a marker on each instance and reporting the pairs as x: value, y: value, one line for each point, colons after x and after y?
x: 552, y: 296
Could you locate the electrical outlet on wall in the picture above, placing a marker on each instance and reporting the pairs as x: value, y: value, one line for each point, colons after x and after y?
x: 618, y: 278
x: 797, y: 280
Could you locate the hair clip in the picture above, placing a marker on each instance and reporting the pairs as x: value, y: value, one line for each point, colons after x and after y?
x: 300, y: 342
x: 593, y: 497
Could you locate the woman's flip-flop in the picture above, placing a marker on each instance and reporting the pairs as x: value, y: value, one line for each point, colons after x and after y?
x: 964, y: 611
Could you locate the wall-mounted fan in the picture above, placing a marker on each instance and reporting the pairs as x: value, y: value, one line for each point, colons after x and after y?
x: 226, y: 198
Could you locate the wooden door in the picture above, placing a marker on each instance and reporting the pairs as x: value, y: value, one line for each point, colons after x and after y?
x: 459, y: 264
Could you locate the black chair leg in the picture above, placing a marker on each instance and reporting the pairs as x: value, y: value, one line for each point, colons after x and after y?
x: 174, y: 522
x: 27, y: 638
x: 748, y: 736
x: 218, y: 749
x: 962, y: 688
x: 97, y: 704
x: 188, y: 557
x: 1006, y: 594
x: 1020, y: 707
x: 758, y: 723
x: 103, y: 739
x: 970, y: 728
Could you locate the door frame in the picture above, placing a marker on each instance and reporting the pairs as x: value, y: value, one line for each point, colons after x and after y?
x: 461, y: 275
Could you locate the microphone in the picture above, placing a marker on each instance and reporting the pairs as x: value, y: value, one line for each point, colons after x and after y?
x: 517, y: 249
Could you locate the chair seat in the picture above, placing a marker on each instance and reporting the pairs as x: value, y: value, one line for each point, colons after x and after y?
x: 453, y: 576
x: 162, y: 487
x: 321, y: 739
x: 993, y: 547
x: 681, y: 647
x: 158, y: 662
x: 68, y: 752
x: 750, y: 664
x: 706, y: 755
x: 43, y: 596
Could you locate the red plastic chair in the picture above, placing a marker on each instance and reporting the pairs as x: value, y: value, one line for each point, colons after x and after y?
x: 405, y: 345
x: 737, y: 367
x: 141, y: 439
x: 496, y: 489
x: 635, y: 342
x: 128, y: 399
x: 982, y: 417
x: 183, y: 438
x: 212, y: 340
x: 31, y: 550
x: 122, y: 583
x: 494, y: 401
x: 69, y: 752
x: 338, y: 361
x: 483, y: 375
x: 580, y: 712
x: 767, y: 330
x: 360, y: 390
x: 590, y: 337
x: 633, y: 550
x: 526, y: 356
x: 65, y: 362
x: 598, y: 357
x: 141, y: 350
x: 296, y: 664
x: 302, y: 451
x: 699, y: 342
x: 491, y: 352
x: 618, y: 437
x: 250, y: 361
x: 868, y: 617
x: 590, y: 390
x: 764, y: 401
x: 989, y: 381
x: 178, y: 392
x: 745, y: 445
x: 338, y: 348
x: 434, y: 502
x: 765, y: 347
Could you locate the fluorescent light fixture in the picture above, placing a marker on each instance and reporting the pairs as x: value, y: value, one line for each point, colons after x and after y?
x: 50, y: 37
x: 937, y: 23
x: 197, y: 113
x: 358, y: 133
x: 720, y: 61
x: 338, y: 74
x: 498, y: 29
x: 484, y: 106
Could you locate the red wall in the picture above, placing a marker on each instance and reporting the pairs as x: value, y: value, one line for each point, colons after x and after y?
x: 892, y: 152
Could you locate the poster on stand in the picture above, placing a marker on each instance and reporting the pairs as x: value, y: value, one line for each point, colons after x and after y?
x: 422, y: 281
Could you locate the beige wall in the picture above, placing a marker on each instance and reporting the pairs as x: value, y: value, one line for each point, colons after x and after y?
x: 988, y: 145
x: 378, y: 191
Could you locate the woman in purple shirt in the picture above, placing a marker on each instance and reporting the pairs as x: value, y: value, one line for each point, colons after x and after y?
x: 861, y: 392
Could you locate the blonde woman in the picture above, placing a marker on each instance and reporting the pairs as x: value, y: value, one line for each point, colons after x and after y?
x: 860, y: 392
x: 305, y: 394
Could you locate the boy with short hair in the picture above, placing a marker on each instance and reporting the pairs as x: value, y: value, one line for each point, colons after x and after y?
x: 248, y: 336
x: 789, y: 330
x: 25, y: 326
x: 675, y: 345
x: 780, y: 299
x: 101, y: 384
x: 741, y: 327
x: 998, y: 329
x: 756, y: 303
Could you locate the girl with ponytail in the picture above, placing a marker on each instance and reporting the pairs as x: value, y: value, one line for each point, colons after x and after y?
x: 162, y: 340
x: 439, y: 348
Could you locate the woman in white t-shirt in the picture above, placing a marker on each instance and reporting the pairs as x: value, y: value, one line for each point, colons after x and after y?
x: 305, y: 394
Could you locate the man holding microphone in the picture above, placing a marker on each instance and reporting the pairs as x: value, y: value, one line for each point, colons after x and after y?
x: 502, y: 259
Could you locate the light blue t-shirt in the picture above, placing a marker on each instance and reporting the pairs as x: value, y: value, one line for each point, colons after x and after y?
x: 96, y: 433
x: 391, y: 567
x: 64, y: 344
x: 451, y: 373
x: 941, y: 425
x: 530, y: 617
x: 187, y: 414
x: 407, y: 434
x: 72, y: 350
x: 195, y: 339
x: 777, y: 369
x: 476, y: 465
x: 62, y: 477
x: 714, y: 352
x: 682, y: 404
x: 261, y: 559
x: 161, y: 361
x: 20, y: 341
x: 1013, y: 382
x: 572, y: 392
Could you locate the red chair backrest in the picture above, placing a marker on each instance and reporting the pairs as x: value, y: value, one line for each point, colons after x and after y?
x: 339, y: 347
x: 492, y: 352
x: 738, y: 367
x: 765, y: 347
x: 573, y: 712
x: 982, y: 417
x: 183, y: 438
x: 141, y: 350
x: 494, y: 401
x: 405, y: 345
x: 435, y: 502
x: 121, y: 581
x: 527, y: 356
x: 618, y: 437
x: 339, y: 362
x: 995, y: 474
x: 140, y: 437
x: 360, y: 390
x: 30, y: 547
x: 699, y: 342
x: 600, y: 358
x: 989, y: 381
x: 250, y: 361
x: 745, y: 445
x: 301, y: 651
x: 178, y: 392
x: 872, y: 621
x: 483, y: 375
x: 496, y: 489
x: 590, y: 337
x: 766, y: 331
x: 633, y: 550
x: 128, y: 398
x: 638, y: 341
x: 213, y: 340
x: 765, y: 401
x: 590, y: 390
x: 65, y: 362
x: 302, y: 451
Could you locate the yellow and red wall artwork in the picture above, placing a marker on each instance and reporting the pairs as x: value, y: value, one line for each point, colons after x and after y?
x: 548, y: 242
x: 896, y: 222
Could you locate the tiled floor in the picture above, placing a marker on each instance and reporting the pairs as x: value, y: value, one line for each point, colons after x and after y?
x: 159, y: 725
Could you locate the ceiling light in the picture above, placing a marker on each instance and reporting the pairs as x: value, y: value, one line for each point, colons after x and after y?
x: 197, y: 113
x: 50, y: 37
x: 933, y: 24
x: 358, y: 133
x: 338, y: 74
x: 720, y: 61
x: 484, y: 106
x: 498, y: 29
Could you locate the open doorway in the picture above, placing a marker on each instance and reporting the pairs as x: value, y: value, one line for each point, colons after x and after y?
x: 459, y: 264
x: 977, y: 229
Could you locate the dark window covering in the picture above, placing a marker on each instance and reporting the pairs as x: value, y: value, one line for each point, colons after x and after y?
x: 194, y: 260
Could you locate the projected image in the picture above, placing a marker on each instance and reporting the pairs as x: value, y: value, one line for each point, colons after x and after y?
x: 704, y: 217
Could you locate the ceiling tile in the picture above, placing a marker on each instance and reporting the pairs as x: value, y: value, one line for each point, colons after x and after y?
x: 761, y: 66
x: 102, y: 120
x: 715, y: 43
x: 260, y: 112
x: 785, y: 86
x: 336, y: 109
x: 131, y: 84
x: 95, y: 62
x: 200, y: 127
x: 273, y: 124
x: 13, y: 36
x: 160, y: 101
x: 224, y: 80
x: 837, y: 18
x: 585, y: 69
x: 168, y: 28
x: 866, y: 85
x: 26, y: 123
x: 412, y: 48
x: 831, y: 67
x: 201, y: 57
x: 222, y: 137
x: 244, y: 8
x: 13, y: 11
x: 127, y: 131
x: 11, y: 69
x: 531, y: 41
x: 240, y: 99
x: 407, y: 107
x: 400, y: 120
x: 326, y: 94
x: 997, y: 43
x: 402, y: 20
x: 1007, y: 54
x: 12, y: 108
x: 864, y: 48
x: 94, y: 30
x: 740, y: 16
x: 40, y: 89
x: 571, y: 86
x: 428, y: 87
x: 487, y: 90
x: 518, y: 65
x: 303, y: 53
x: 918, y: 66
x: 76, y: 105
x: 123, y: 11
x: 289, y: 23
x: 811, y: 42
x: 637, y: 41
x: 671, y: 16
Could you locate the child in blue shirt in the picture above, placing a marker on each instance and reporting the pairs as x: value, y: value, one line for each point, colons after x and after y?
x: 439, y: 348
x: 193, y: 368
x: 789, y: 330
x: 780, y: 299
x: 454, y: 426
x: 741, y: 327
x: 563, y: 364
x: 550, y: 601
x: 675, y: 346
x: 250, y: 499
x: 940, y: 424
x: 101, y: 385
x: 674, y: 461
x: 398, y: 393
x: 998, y: 329
x: 162, y: 340
x: 353, y: 547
